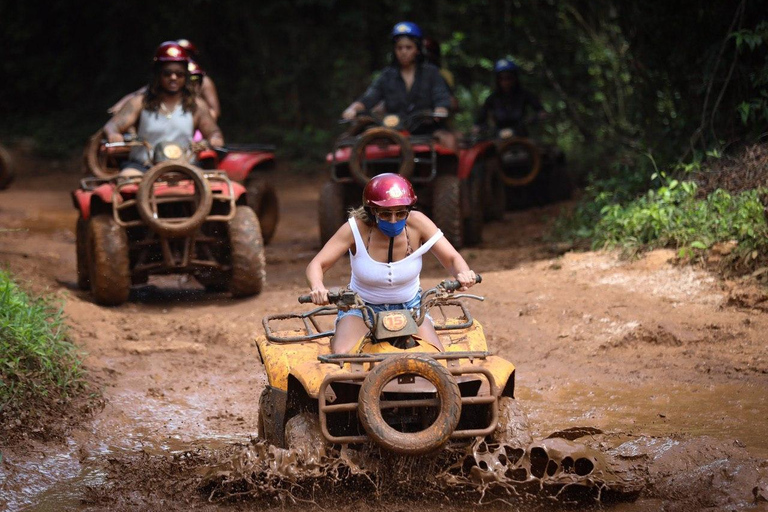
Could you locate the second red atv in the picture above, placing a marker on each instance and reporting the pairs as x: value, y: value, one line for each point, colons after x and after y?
x: 385, y: 144
x: 248, y: 164
x: 175, y: 219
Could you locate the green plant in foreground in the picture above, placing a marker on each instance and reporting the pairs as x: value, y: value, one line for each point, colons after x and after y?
x: 36, y: 358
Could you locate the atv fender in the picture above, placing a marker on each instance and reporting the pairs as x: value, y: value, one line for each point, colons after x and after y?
x: 239, y: 165
x: 468, y: 157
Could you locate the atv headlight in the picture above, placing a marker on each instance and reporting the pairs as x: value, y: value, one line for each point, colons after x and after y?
x: 172, y: 152
x: 506, y: 133
x: 391, y: 121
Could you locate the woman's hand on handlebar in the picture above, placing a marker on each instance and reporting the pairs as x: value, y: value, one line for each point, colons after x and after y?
x: 319, y: 296
x: 115, y: 137
x: 467, y: 279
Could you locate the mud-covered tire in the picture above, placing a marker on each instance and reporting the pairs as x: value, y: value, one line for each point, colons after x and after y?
x: 146, y: 192
x: 358, y: 152
x: 108, y: 261
x: 98, y: 163
x: 6, y: 169
x: 331, y: 210
x: 409, y: 443
x: 247, y: 253
x: 495, y: 193
x: 262, y: 198
x: 304, y: 437
x: 261, y: 431
x: 513, y: 429
x: 474, y: 188
x: 534, y: 153
x: 81, y: 253
x: 446, y: 208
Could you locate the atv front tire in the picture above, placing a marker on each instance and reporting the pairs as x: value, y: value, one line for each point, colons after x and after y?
x: 304, y: 437
x: 247, y: 253
x: 262, y: 198
x: 513, y: 429
x: 108, y: 262
x: 474, y: 186
x: 331, y: 210
x: 446, y: 208
x: 81, y: 245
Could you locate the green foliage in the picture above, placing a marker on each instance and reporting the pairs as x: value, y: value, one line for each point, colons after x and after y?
x: 672, y: 216
x: 36, y: 358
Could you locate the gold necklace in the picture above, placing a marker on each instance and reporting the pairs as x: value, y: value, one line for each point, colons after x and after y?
x: 166, y: 112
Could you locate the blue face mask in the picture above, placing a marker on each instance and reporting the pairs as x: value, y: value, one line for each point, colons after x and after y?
x: 391, y: 229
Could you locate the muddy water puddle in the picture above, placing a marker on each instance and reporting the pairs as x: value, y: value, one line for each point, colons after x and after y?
x: 736, y: 412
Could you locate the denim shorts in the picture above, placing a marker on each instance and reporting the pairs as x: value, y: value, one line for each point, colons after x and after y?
x: 376, y: 308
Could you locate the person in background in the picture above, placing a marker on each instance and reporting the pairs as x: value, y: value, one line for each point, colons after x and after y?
x: 168, y: 111
x: 408, y: 85
x: 207, y: 89
x: 509, y: 103
x: 386, y: 239
x: 433, y: 55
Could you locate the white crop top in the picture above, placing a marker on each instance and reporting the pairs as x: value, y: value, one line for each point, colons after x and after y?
x: 386, y: 283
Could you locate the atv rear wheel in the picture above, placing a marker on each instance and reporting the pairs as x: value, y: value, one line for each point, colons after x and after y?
x: 147, y: 202
x: 474, y: 187
x: 304, y: 437
x: 108, y: 262
x: 262, y: 198
x: 247, y: 252
x: 331, y: 210
x: 370, y: 405
x: 369, y: 137
x: 81, y: 246
x: 6, y: 169
x: 513, y: 429
x: 446, y: 208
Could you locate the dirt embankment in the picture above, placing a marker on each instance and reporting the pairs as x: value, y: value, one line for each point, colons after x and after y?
x: 669, y: 362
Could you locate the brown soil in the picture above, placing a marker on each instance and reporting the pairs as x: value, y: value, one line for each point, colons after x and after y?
x: 668, y: 361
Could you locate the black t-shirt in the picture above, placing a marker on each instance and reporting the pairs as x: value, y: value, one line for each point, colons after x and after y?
x: 428, y: 92
x: 508, y: 110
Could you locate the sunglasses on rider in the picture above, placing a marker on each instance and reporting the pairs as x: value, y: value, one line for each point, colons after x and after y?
x: 168, y: 73
x: 388, y: 215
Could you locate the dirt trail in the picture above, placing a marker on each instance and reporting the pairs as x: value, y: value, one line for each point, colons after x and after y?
x: 643, y: 350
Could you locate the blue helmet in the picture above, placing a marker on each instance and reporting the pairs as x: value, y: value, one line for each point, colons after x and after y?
x: 407, y: 28
x: 504, y: 65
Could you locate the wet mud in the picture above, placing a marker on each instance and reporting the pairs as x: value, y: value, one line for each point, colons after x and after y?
x: 645, y: 383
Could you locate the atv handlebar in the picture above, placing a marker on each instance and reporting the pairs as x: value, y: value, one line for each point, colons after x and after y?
x: 451, y: 285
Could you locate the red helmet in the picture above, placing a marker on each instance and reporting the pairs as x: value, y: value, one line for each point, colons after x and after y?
x: 195, y: 69
x: 188, y: 46
x: 171, y: 51
x: 387, y: 190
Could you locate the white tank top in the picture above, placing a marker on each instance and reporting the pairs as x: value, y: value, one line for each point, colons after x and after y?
x: 386, y: 283
x: 156, y: 127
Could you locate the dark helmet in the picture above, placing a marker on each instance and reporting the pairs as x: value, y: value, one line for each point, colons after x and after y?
x: 171, y: 51
x: 195, y: 69
x: 431, y: 46
x: 188, y: 46
x: 503, y: 65
x: 406, y: 28
x: 387, y: 190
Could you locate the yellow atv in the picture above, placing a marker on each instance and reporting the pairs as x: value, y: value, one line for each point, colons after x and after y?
x: 392, y: 388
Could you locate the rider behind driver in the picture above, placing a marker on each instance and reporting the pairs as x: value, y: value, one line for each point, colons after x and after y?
x: 386, y: 240
x: 167, y: 111
x: 409, y: 85
x: 507, y: 106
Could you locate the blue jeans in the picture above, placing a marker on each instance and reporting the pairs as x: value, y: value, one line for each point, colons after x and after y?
x: 376, y: 308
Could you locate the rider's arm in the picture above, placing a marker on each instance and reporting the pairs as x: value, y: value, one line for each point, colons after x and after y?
x: 122, y: 101
x: 211, y: 96
x: 445, y: 253
x: 333, y: 249
x: 351, y: 111
x: 124, y: 119
x: 206, y: 124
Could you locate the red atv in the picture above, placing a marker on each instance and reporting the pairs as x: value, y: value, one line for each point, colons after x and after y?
x: 175, y: 219
x: 376, y: 145
x: 520, y: 172
x: 247, y: 164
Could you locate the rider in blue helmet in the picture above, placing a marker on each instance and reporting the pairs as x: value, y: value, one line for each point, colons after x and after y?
x: 508, y: 105
x: 408, y: 85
